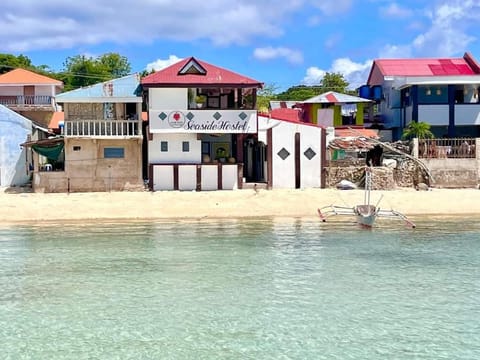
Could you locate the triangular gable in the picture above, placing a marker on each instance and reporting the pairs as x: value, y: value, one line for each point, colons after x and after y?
x: 26, y: 77
x: 192, y: 67
x: 123, y: 89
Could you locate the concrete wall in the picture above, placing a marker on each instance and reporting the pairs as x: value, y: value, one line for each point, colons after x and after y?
x: 87, y: 170
x: 453, y: 173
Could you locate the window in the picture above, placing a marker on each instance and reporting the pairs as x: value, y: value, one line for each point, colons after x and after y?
x: 77, y: 148
x: 164, y: 146
x: 113, y: 153
x: 185, y: 146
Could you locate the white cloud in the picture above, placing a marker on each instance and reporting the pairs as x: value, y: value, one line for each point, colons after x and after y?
x: 396, y: 11
x: 448, y: 33
x: 333, y: 7
x: 270, y: 53
x: 160, y: 64
x: 355, y: 74
x: 32, y: 25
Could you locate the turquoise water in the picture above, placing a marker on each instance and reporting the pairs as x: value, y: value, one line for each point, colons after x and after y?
x: 249, y: 289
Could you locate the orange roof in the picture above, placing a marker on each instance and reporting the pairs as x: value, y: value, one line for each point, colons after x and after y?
x: 26, y: 77
x: 57, y: 117
x: 356, y: 132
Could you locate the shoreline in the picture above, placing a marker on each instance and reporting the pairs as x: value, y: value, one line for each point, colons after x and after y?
x: 27, y: 207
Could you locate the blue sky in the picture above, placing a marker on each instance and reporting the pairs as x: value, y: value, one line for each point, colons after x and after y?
x: 280, y: 43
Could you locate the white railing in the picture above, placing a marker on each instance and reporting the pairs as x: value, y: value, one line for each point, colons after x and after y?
x: 102, y: 128
x: 26, y: 100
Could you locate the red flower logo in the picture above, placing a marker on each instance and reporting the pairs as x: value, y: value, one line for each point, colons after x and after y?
x: 176, y: 116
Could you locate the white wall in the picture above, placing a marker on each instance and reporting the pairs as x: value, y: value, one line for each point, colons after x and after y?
x: 283, y: 136
x: 168, y: 98
x: 174, y: 153
x: 11, y: 90
x: 310, y: 170
x: 162, y: 178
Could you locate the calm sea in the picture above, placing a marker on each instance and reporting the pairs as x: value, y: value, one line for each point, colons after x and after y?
x: 247, y: 289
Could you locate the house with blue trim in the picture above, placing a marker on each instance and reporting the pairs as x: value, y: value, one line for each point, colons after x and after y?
x: 443, y: 92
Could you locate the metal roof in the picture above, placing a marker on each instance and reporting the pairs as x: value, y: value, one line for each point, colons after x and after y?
x: 124, y: 89
x: 333, y: 97
x: 191, y: 72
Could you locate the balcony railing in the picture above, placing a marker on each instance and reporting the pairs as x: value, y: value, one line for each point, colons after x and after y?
x: 459, y: 148
x: 26, y: 100
x: 102, y: 128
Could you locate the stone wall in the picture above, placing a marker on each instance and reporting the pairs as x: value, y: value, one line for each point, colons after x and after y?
x: 405, y: 174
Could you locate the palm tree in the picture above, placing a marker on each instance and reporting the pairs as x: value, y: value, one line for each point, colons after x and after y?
x: 420, y: 130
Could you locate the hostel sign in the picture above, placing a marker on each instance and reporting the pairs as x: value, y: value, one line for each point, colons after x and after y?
x: 203, y: 121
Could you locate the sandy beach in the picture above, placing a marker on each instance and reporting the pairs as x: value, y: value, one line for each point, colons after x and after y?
x: 35, y: 207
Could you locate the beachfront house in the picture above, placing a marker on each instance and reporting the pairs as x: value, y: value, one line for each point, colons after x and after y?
x: 443, y: 92
x: 202, y: 127
x: 30, y: 94
x: 100, y: 146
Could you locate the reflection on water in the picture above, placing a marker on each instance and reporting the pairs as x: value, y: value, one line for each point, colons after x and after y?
x: 241, y: 289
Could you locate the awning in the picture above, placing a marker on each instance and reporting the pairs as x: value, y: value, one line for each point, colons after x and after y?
x: 50, y: 148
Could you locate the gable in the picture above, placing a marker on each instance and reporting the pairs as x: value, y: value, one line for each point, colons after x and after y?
x: 192, y: 67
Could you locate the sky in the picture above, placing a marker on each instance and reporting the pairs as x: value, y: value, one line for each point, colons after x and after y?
x: 281, y: 43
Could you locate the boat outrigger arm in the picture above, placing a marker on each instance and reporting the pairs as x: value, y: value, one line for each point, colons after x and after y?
x: 364, y: 213
x: 366, y: 218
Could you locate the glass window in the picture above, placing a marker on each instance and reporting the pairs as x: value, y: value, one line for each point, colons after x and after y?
x: 113, y: 153
x: 185, y: 146
x: 164, y: 146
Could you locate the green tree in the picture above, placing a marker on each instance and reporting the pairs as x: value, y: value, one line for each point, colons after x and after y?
x: 334, y: 82
x: 299, y: 93
x: 264, y: 96
x: 420, y: 130
x: 115, y: 64
x: 9, y: 62
x: 81, y: 71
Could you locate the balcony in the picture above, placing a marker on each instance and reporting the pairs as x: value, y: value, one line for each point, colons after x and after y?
x: 103, y: 128
x: 27, y: 102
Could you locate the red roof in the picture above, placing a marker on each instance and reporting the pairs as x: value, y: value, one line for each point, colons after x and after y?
x: 290, y: 115
x: 191, y: 72
x: 466, y: 65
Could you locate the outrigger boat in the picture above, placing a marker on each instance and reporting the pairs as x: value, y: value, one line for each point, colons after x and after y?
x: 366, y: 213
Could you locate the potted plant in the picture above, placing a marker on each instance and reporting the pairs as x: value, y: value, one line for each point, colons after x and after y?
x: 200, y: 100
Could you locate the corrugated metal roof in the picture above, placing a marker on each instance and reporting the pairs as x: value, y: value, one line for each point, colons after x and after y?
x: 333, y: 97
x: 26, y: 77
x: 424, y: 67
x: 210, y: 75
x: 122, y: 88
